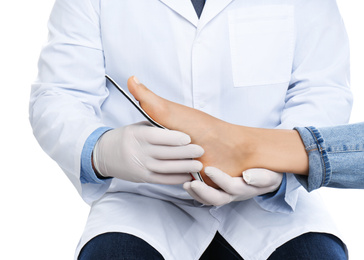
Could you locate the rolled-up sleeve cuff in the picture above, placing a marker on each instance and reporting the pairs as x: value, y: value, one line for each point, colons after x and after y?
x: 319, y: 163
x: 87, y: 173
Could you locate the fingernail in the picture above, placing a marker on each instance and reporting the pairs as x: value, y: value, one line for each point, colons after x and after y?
x: 199, y: 151
x: 247, y: 177
x: 207, y: 172
x: 185, y: 139
x: 198, y: 165
x: 136, y: 80
x: 186, y: 185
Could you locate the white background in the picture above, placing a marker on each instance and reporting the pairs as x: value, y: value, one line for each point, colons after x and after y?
x: 42, y: 216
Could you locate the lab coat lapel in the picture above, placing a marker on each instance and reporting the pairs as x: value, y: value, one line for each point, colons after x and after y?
x: 183, y: 8
x: 211, y: 9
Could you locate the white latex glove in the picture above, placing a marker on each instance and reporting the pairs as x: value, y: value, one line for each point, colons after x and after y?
x: 261, y: 177
x: 143, y: 153
x: 232, y: 188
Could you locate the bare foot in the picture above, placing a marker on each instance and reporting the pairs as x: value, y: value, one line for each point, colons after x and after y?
x: 219, y: 139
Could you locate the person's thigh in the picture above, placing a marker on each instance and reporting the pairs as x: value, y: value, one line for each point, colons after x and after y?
x: 118, y: 246
x: 311, y: 246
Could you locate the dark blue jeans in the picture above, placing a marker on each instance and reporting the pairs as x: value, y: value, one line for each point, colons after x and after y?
x: 121, y: 246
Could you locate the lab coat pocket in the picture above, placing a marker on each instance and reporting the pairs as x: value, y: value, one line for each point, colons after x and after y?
x: 261, y: 43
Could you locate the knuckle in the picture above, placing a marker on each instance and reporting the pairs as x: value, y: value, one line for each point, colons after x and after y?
x: 150, y: 165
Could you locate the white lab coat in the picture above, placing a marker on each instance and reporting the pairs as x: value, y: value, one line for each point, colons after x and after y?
x: 277, y: 63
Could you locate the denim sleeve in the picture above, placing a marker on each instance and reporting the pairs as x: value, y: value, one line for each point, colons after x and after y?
x: 87, y: 173
x: 336, y: 156
x: 319, y: 164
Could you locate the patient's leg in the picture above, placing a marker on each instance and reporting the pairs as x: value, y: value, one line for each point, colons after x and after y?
x: 219, y: 139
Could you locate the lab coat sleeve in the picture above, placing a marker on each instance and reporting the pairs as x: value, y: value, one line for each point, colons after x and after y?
x: 70, y: 88
x: 318, y: 92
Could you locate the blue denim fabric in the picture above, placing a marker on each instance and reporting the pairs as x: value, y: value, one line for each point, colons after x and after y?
x: 311, y: 246
x: 121, y: 246
x: 336, y: 156
x: 118, y: 246
x: 87, y: 173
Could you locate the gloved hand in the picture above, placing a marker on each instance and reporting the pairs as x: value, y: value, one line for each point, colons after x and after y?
x: 232, y: 188
x: 143, y: 153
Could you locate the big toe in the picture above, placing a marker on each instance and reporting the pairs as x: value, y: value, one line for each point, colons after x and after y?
x: 153, y: 104
x: 137, y: 89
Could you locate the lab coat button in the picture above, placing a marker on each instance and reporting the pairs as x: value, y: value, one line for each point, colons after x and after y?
x: 202, y: 104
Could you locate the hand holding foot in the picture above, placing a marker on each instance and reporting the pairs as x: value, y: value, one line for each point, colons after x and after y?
x: 233, y: 188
